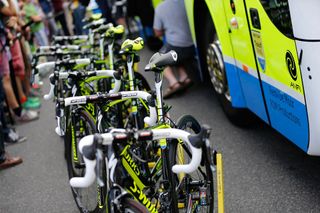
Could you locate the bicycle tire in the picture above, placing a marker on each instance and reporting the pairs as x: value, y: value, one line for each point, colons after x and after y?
x: 182, y: 183
x: 130, y: 205
x: 86, y: 198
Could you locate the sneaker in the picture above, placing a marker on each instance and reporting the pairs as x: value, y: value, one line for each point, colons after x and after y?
x: 59, y: 131
x: 10, y: 161
x: 36, y: 86
x: 29, y: 104
x: 34, y: 99
x: 27, y: 115
x: 13, y: 137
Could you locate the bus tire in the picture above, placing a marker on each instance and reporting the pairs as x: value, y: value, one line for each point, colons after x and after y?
x: 212, y: 65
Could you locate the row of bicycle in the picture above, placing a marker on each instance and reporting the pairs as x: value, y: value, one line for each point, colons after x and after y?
x: 123, y: 151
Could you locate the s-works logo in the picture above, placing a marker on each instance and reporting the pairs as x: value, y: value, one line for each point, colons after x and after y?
x: 291, y: 65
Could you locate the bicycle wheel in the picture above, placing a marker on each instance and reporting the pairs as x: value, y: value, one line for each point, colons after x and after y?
x: 89, y: 199
x: 122, y: 115
x: 195, y: 191
x: 131, y: 206
x: 141, y: 82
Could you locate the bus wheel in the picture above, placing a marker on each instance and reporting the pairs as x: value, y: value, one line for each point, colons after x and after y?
x: 216, y: 69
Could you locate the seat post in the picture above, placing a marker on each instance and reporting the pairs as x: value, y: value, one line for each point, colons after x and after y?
x: 158, y: 86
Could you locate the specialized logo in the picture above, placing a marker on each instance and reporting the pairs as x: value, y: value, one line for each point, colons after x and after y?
x: 291, y: 65
x: 143, y: 198
x: 127, y: 157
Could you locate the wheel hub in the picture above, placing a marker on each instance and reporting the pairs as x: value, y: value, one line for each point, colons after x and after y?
x: 217, y: 70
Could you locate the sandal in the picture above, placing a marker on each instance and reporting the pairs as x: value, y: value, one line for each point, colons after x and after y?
x: 186, y: 83
x: 173, y: 89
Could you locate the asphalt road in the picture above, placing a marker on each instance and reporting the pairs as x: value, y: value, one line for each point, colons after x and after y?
x: 263, y: 172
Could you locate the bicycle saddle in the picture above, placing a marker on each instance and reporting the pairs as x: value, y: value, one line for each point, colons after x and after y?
x: 131, y: 46
x: 113, y: 31
x: 103, y: 28
x: 93, y: 17
x: 95, y: 24
x: 159, y: 61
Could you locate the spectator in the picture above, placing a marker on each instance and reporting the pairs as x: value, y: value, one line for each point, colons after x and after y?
x: 21, y: 114
x: 46, y: 7
x: 171, y: 20
x: 78, y: 13
x: 37, y: 28
x: 5, y: 160
x: 60, y: 16
x: 124, y: 12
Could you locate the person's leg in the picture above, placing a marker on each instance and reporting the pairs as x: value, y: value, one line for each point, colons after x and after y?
x: 78, y: 14
x: 12, y: 101
x: 182, y: 74
x: 169, y: 75
x: 27, y: 62
x: 62, y: 19
x: 53, y: 26
x: 2, y: 150
x: 174, y: 85
x: 42, y: 38
x: 19, y: 69
x: 106, y: 11
x: 2, y: 71
x: 6, y: 161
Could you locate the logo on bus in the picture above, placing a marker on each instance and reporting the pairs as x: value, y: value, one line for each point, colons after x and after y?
x: 291, y: 65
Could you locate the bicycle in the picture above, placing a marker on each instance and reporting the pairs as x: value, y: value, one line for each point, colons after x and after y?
x: 93, y: 149
x: 82, y: 124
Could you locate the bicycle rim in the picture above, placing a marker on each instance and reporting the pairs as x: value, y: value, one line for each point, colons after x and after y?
x: 89, y: 199
x: 195, y: 191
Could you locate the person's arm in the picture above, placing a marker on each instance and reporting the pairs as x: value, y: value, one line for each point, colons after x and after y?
x: 6, y: 10
x: 30, y: 14
x: 36, y: 18
x: 158, y: 24
x: 12, y: 8
x: 158, y: 33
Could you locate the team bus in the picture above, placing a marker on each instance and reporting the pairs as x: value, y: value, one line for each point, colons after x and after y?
x: 262, y: 56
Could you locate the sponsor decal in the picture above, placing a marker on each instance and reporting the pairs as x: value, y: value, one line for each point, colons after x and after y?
x: 291, y: 65
x: 78, y: 100
x: 258, y: 47
x: 132, y: 94
x: 143, y: 198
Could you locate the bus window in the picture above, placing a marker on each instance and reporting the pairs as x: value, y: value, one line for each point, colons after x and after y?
x: 279, y: 14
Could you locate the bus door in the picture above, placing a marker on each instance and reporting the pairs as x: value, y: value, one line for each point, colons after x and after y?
x: 277, y: 60
x: 244, y: 58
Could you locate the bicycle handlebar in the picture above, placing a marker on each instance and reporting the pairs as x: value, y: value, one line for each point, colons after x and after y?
x: 87, y: 148
x: 151, y: 121
x: 59, y: 47
x: 65, y: 75
x: 70, y: 38
x: 52, y: 64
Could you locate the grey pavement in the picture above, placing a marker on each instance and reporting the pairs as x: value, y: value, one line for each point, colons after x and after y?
x: 263, y: 172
